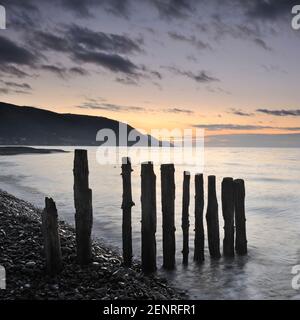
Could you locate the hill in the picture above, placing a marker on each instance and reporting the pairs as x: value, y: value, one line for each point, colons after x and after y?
x: 33, y: 126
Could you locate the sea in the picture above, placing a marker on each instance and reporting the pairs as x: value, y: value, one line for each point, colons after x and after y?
x: 272, y: 180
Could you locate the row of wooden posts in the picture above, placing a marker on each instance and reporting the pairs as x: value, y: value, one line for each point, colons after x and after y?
x: 233, y: 208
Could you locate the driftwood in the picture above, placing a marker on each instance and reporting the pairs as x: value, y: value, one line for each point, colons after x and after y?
x: 127, y: 204
x: 83, y: 206
x: 148, y: 199
x: 51, y: 238
x: 199, y: 229
x: 168, y: 215
x: 228, y: 215
x: 213, y: 219
x: 185, y: 216
x: 240, y: 219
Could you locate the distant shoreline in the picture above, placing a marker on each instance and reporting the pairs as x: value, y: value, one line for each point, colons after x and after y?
x: 12, y: 151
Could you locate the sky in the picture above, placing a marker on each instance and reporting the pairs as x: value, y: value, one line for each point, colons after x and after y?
x: 230, y: 67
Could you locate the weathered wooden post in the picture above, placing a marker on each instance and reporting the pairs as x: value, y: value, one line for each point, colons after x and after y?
x: 168, y: 214
x: 212, y: 219
x: 127, y: 204
x: 51, y: 238
x: 148, y: 199
x: 185, y: 216
x: 240, y: 218
x: 83, y: 206
x: 228, y: 215
x: 199, y: 229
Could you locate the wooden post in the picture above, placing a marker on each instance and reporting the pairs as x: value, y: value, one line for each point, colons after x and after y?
x: 51, y: 238
x: 185, y: 216
x: 83, y: 206
x: 213, y: 219
x: 168, y: 215
x: 240, y: 219
x: 199, y: 229
x: 148, y: 199
x: 127, y: 204
x: 228, y: 215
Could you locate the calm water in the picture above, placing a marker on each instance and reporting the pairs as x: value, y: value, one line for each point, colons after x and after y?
x: 272, y: 203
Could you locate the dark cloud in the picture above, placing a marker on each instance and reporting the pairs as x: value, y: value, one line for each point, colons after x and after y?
x: 218, y: 127
x: 48, y: 41
x: 112, y: 62
x: 127, y: 81
x: 63, y: 72
x: 109, y: 107
x: 201, y: 76
x: 85, y: 8
x: 240, y: 112
x: 24, y: 86
x: 83, y: 45
x: 12, y: 53
x: 59, y: 71
x: 14, y: 71
x: 92, y: 40
x: 170, y: 9
x: 80, y: 8
x: 271, y: 9
x: 179, y: 111
x: 192, y: 40
x: 78, y: 71
x: 11, y: 87
x: 156, y: 74
x: 281, y: 113
x: 262, y: 44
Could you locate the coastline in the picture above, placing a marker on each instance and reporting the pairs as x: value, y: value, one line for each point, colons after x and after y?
x: 17, y: 150
x: 21, y: 244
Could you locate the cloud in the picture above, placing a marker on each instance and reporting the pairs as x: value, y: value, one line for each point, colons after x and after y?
x: 170, y: 9
x: 85, y: 8
x: 271, y: 68
x: 179, y: 111
x: 281, y: 113
x: 271, y: 9
x: 127, y: 81
x: 48, y: 41
x: 93, y: 40
x: 11, y: 84
x: 112, y: 62
x: 262, y: 44
x: 201, y: 76
x: 83, y: 45
x: 12, y: 53
x: 9, y: 70
x: 11, y: 87
x: 63, y: 72
x: 192, y: 40
x: 109, y: 107
x: 239, y: 112
x: 218, y: 127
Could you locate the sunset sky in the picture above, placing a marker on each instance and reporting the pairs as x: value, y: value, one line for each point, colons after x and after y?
x: 226, y: 66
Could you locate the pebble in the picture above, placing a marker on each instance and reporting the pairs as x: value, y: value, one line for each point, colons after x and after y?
x: 22, y: 253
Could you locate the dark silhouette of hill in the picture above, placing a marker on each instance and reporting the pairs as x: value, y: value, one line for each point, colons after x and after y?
x: 33, y: 126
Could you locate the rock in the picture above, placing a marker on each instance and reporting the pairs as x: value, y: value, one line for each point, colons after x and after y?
x: 31, y: 264
x: 22, y: 254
